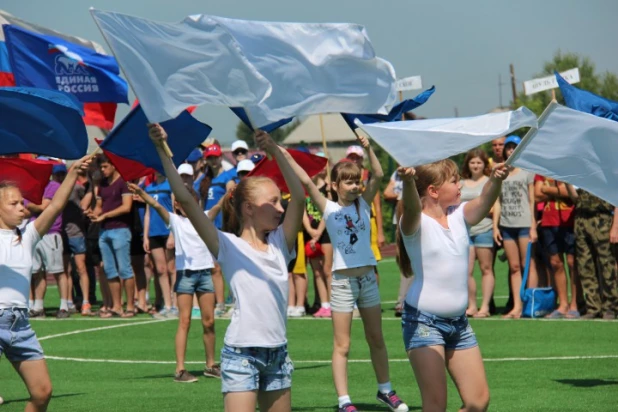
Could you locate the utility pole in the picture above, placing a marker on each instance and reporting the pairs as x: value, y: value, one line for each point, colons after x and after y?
x: 500, y: 84
x: 456, y: 112
x: 513, y: 84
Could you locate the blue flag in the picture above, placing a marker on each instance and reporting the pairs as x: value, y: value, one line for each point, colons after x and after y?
x: 49, y: 62
x: 130, y: 138
x: 394, y: 115
x: 587, y: 102
x: 242, y: 115
x: 45, y: 122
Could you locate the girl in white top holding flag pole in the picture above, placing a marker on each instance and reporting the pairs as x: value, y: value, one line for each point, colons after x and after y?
x: 433, y: 230
x: 353, y: 279
x: 255, y: 366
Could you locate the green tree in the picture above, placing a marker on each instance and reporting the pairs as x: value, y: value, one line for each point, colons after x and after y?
x: 605, y: 84
x: 244, y: 133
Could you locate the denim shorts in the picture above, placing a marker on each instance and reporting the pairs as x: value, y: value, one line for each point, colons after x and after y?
x: 558, y: 239
x: 421, y: 329
x: 18, y: 341
x: 194, y: 281
x: 514, y: 233
x: 348, y: 290
x: 255, y: 369
x: 485, y: 239
x: 77, y: 245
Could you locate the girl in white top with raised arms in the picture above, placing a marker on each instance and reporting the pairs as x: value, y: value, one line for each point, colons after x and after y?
x: 255, y: 366
x: 18, y: 341
x: 433, y: 230
x: 353, y: 280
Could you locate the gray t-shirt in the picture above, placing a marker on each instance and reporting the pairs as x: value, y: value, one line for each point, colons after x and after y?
x: 472, y: 192
x: 514, y: 200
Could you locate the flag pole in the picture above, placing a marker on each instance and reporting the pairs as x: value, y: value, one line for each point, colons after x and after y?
x: 528, y: 137
x: 324, y: 147
x: 166, y: 148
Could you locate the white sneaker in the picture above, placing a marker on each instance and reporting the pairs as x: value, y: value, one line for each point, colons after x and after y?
x: 296, y: 311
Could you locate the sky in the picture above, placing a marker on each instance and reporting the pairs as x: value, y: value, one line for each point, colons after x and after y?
x: 461, y: 47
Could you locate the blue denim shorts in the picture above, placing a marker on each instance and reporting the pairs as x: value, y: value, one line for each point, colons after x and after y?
x: 558, y: 239
x: 255, y: 369
x: 485, y: 239
x: 77, y: 245
x: 194, y: 281
x: 421, y: 329
x: 18, y: 341
x: 514, y: 233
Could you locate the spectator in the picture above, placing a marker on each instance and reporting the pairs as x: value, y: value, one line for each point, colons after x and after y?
x: 559, y: 239
x: 475, y: 172
x: 514, y: 224
x: 244, y: 167
x: 113, y: 211
x: 186, y: 172
x: 497, y: 147
x: 595, y: 229
x: 240, y: 150
x: 48, y: 257
x: 156, y: 234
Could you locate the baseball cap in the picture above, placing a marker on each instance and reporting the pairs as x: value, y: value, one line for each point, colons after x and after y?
x: 194, y: 156
x: 213, y: 150
x: 245, y: 165
x: 59, y: 168
x: 239, y: 144
x: 256, y: 157
x: 185, y: 169
x: 357, y: 150
x: 303, y: 149
x: 512, y: 139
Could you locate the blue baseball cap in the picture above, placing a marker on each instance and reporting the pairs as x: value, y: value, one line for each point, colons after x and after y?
x: 59, y: 168
x: 512, y: 139
x: 194, y: 156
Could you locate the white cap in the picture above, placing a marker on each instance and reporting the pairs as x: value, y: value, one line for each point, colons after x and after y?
x: 185, y: 169
x: 245, y: 165
x: 239, y: 144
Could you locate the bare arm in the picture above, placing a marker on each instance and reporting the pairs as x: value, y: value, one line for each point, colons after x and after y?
x: 377, y: 202
x: 38, y: 209
x: 477, y: 209
x: 613, y: 231
x: 60, y: 199
x: 572, y: 192
x: 496, y: 221
x: 316, y: 196
x: 376, y: 172
x: 294, y: 214
x: 412, y: 207
x: 204, y: 227
x: 123, y: 209
x: 531, y: 201
x: 389, y: 192
x: 150, y: 203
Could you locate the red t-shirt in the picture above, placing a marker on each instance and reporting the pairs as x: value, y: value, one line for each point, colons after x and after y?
x: 111, y: 197
x: 555, y: 212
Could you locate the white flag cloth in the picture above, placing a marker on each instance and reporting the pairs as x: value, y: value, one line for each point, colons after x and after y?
x: 573, y: 147
x: 273, y: 70
x: 418, y: 142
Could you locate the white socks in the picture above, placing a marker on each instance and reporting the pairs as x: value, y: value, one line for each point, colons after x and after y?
x: 385, y: 388
x: 345, y: 399
x: 64, y: 304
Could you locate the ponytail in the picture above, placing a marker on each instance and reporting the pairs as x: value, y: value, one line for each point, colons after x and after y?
x: 231, y: 222
x: 233, y: 201
x: 403, y: 259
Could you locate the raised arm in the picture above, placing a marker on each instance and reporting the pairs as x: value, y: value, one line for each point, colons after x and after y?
x: 204, y: 227
x: 376, y: 171
x: 477, y: 209
x: 412, y: 207
x: 60, y: 199
x: 151, y: 202
x: 294, y: 214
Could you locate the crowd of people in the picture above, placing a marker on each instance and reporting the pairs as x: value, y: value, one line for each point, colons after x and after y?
x: 205, y: 224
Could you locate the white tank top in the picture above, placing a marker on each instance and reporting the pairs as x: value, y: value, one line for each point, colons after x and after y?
x: 439, y: 259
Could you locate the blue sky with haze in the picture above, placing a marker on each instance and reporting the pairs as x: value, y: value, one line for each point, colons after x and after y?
x: 459, y: 46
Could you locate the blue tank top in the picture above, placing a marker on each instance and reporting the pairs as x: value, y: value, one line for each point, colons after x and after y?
x: 162, y: 193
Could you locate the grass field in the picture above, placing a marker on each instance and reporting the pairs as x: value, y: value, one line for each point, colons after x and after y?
x: 127, y: 365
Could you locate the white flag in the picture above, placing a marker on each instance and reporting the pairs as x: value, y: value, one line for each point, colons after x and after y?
x: 418, y: 142
x: 573, y: 147
x: 273, y: 70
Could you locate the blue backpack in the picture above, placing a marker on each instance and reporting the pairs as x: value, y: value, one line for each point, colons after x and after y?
x: 537, y: 302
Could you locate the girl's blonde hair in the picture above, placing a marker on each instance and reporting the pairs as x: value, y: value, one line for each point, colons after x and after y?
x: 5, y: 185
x: 232, y: 204
x: 432, y: 174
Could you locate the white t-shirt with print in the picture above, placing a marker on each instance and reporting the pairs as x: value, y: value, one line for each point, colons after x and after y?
x: 191, y: 251
x: 259, y: 282
x: 350, y: 234
x: 16, y: 266
x: 439, y: 259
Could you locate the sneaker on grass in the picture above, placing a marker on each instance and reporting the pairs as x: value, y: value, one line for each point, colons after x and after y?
x: 184, y: 377
x: 393, y: 401
x: 214, y: 372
